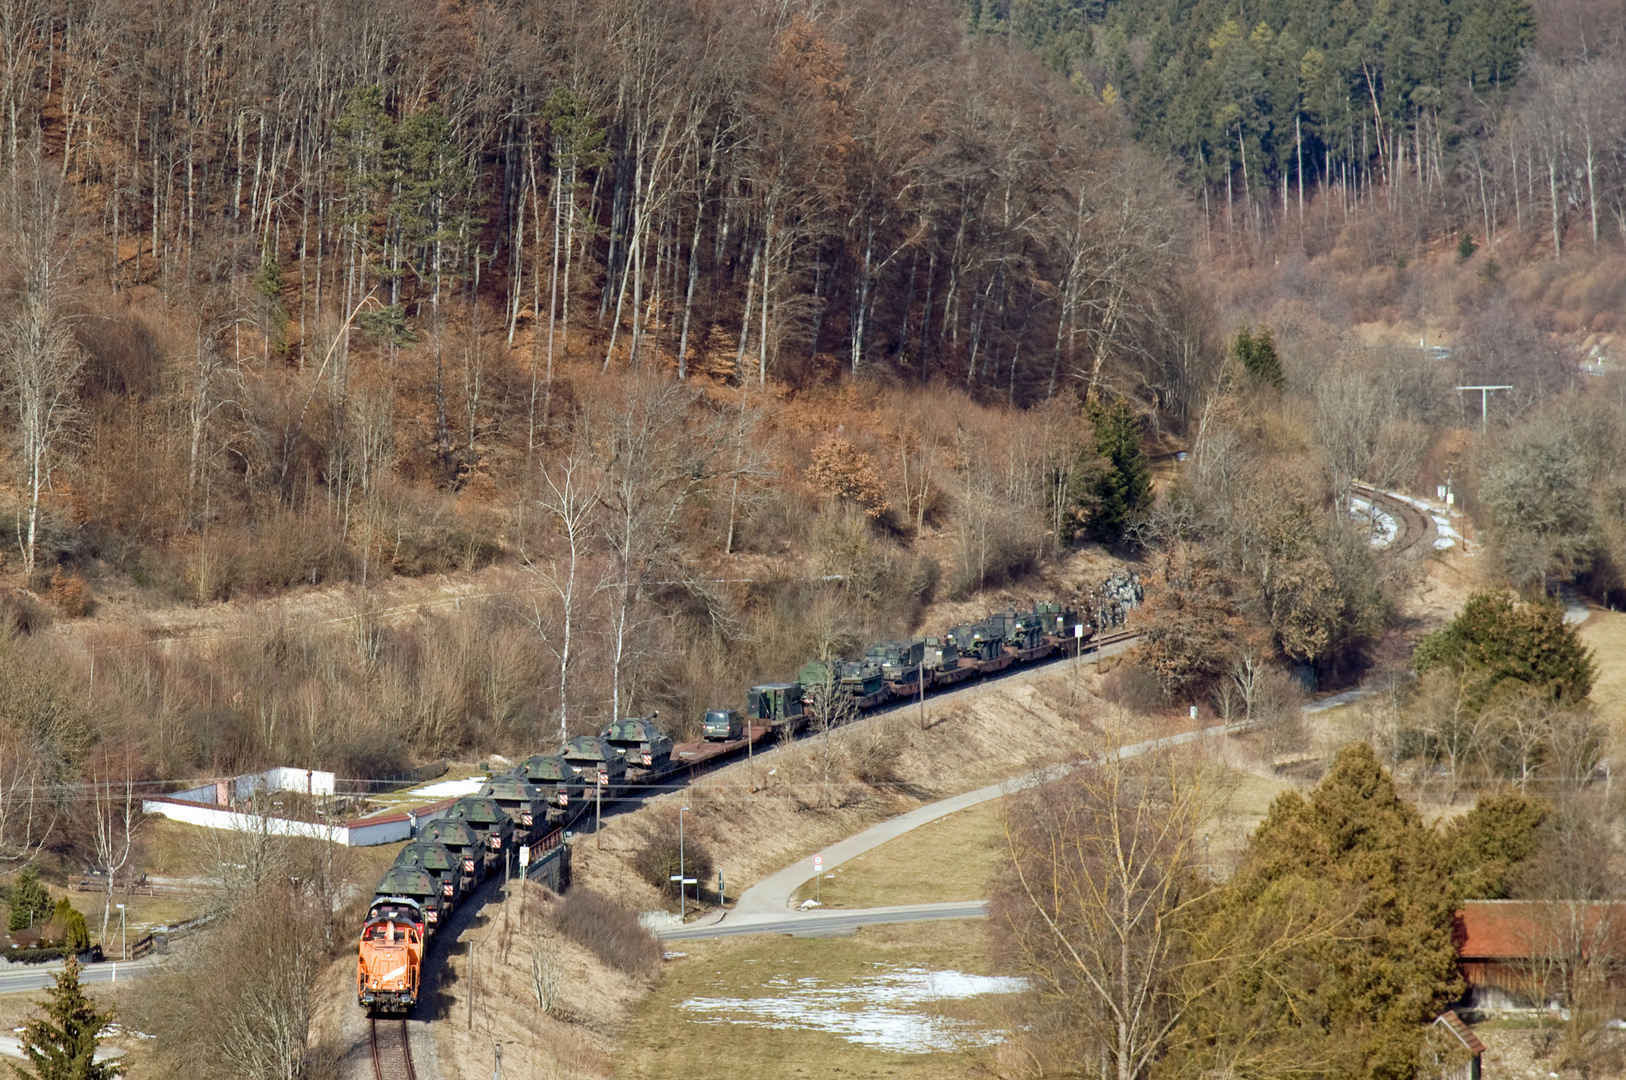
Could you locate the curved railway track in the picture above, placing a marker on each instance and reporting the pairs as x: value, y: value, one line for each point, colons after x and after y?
x: 392, y: 1052
x: 1415, y: 526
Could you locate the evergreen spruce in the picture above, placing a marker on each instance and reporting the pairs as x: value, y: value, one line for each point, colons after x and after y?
x: 1496, y: 647
x: 1353, y: 1003
x: 1124, y: 488
x: 1259, y: 358
x: 30, y: 901
x: 61, y: 1045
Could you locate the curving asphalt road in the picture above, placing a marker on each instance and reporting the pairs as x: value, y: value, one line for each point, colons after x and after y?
x: 764, y: 908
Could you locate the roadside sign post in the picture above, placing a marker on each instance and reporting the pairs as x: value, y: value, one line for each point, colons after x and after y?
x: 818, y: 875
x: 524, y: 860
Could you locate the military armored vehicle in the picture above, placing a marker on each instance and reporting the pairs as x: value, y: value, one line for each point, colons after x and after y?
x: 1021, y: 634
x: 464, y: 841
x: 491, y: 822
x: 641, y: 742
x: 441, y: 861
x: 863, y: 681
x: 943, y: 662
x: 415, y: 883
x: 778, y: 704
x: 560, y: 784
x: 901, y: 663
x: 522, y: 802
x: 722, y: 725
x: 597, y: 762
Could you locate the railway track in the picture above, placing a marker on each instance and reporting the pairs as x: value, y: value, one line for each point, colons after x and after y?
x: 1415, y: 526
x: 392, y: 1052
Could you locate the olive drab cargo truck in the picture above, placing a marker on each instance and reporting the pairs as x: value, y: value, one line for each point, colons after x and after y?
x: 779, y: 705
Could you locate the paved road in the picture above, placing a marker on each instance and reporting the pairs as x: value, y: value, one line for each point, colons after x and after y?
x: 24, y: 978
x: 832, y: 922
x: 770, y: 897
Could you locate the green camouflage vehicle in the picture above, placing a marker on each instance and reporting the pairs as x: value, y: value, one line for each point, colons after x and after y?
x: 901, y: 663
x: 778, y: 704
x: 863, y: 681
x: 598, y: 762
x: 495, y: 827
x: 464, y: 841
x: 1020, y: 632
x: 522, y: 801
x: 640, y: 742
x: 416, y: 883
x: 439, y: 860
x: 722, y: 725
x: 943, y: 662
x: 561, y: 785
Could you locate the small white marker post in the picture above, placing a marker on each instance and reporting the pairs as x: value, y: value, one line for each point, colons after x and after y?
x: 524, y: 859
x: 818, y: 873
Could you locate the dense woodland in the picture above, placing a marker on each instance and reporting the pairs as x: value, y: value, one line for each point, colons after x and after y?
x: 725, y: 336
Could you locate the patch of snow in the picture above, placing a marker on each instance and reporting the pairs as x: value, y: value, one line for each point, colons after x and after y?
x: 1382, y: 524
x: 448, y: 788
x: 658, y: 920
x: 809, y: 904
x: 880, y: 1011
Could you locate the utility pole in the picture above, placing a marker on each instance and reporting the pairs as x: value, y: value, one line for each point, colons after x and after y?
x: 1484, y: 402
x: 923, y: 691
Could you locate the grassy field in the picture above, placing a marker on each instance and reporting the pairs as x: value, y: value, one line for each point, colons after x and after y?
x: 773, y: 1007
x: 1605, y: 632
x: 948, y: 859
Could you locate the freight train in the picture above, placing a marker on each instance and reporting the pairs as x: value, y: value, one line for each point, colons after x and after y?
x: 528, y: 808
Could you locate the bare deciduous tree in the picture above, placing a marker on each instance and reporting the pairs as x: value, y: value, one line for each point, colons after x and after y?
x: 42, y: 361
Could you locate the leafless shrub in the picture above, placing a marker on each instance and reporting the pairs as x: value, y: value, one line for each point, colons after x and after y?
x: 659, y: 858
x: 1135, y: 688
x: 608, y: 930
x: 873, y: 749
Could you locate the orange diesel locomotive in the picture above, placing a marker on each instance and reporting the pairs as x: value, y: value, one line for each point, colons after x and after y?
x: 391, y: 956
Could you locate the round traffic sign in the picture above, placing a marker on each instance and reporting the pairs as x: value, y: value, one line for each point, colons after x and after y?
x: 818, y: 860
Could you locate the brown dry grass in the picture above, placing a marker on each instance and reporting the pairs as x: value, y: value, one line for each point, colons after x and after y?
x: 947, y: 859
x: 760, y: 816
x: 666, y: 1042
x: 1605, y: 634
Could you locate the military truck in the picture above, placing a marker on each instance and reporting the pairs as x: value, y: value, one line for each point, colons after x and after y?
x: 979, y: 647
x: 864, y: 682
x: 901, y: 663
x: 943, y: 665
x: 464, y: 841
x: 777, y: 704
x: 416, y: 883
x: 722, y: 725
x: 641, y: 743
x: 561, y: 785
x: 598, y: 763
x: 439, y: 860
x: 524, y: 803
x: 1021, y: 635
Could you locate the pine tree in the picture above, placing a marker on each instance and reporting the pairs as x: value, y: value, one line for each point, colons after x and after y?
x: 1353, y: 1003
x: 1125, y: 488
x: 1259, y: 358
x: 1497, y: 647
x: 30, y: 901
x: 61, y: 1045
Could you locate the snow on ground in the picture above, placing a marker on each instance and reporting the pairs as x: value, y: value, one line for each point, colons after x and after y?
x: 448, y: 788
x: 889, y: 1011
x: 1382, y: 524
x: 1448, y: 536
